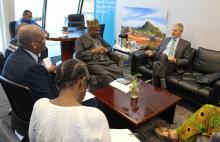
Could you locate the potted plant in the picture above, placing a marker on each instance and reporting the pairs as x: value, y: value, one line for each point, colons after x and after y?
x: 135, y: 85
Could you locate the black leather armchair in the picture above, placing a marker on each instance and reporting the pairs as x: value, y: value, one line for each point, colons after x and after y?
x: 21, y: 101
x: 204, y: 61
x: 12, y: 28
x: 76, y: 20
x: 101, y: 29
x: 2, y: 62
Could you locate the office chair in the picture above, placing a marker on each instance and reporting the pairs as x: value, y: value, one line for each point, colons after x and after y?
x: 21, y: 101
x: 76, y: 20
x: 2, y: 62
x: 12, y: 28
x: 101, y: 29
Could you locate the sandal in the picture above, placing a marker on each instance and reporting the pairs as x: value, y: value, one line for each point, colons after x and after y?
x: 165, y: 129
x: 160, y: 132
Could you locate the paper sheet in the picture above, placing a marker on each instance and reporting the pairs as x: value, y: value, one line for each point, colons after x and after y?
x: 47, y: 62
x: 88, y: 96
x: 120, y: 86
x: 123, y: 135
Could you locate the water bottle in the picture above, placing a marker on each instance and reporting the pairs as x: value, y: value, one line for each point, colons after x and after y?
x: 65, y: 27
x: 65, y: 21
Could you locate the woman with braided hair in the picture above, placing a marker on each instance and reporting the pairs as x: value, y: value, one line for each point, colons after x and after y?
x: 64, y: 119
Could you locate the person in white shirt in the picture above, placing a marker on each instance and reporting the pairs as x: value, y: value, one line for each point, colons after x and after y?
x: 64, y: 119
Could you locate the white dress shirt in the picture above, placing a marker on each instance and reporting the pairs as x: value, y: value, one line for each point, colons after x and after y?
x: 166, y: 51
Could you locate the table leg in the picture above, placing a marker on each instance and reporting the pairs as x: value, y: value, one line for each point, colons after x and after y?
x: 168, y: 115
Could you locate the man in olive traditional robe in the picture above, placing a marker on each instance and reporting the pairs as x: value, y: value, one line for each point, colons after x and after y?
x: 94, y: 51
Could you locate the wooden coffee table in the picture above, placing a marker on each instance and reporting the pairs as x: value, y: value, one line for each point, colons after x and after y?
x: 152, y: 101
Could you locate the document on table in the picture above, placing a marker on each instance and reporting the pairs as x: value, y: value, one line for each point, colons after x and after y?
x: 47, y: 62
x: 123, y: 135
x: 88, y: 96
x: 124, y: 88
x: 57, y: 35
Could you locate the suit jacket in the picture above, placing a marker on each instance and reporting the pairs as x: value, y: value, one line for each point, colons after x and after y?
x: 21, y: 67
x: 182, y: 54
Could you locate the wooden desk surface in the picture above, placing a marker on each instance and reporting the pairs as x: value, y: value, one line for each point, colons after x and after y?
x: 71, y: 36
x: 67, y: 42
x: 151, y: 102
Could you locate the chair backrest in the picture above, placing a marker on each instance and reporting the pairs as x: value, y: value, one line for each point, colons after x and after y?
x: 2, y: 62
x: 12, y: 28
x: 76, y: 20
x: 19, y: 97
x: 101, y: 29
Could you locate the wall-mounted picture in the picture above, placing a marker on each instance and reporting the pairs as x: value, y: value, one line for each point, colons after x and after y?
x: 145, y: 27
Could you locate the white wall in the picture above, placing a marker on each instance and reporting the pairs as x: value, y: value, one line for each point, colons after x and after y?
x: 7, y: 14
x: 201, y: 18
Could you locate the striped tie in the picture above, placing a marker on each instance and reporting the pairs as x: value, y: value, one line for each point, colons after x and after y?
x: 172, y: 49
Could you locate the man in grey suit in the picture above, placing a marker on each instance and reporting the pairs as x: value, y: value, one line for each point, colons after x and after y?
x: 172, y: 54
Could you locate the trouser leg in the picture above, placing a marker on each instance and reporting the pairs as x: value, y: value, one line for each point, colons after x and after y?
x: 156, y: 80
x: 160, y: 66
x: 160, y: 70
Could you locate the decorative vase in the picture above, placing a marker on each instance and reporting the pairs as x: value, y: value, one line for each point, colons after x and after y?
x: 134, y: 92
x: 134, y: 104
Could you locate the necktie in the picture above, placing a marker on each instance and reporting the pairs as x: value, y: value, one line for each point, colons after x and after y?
x: 39, y: 60
x: 172, y: 49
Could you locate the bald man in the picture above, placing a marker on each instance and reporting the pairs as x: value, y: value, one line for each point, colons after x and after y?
x: 22, y: 66
x: 172, y: 54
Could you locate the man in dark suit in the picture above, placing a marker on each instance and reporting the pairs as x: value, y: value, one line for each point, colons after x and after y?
x: 22, y: 66
x: 172, y: 54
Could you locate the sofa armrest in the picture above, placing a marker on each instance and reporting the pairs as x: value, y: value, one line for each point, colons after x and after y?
x: 138, y: 58
x: 114, y: 57
x: 215, y: 95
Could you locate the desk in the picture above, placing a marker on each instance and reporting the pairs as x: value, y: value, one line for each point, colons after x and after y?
x: 152, y: 102
x: 67, y: 42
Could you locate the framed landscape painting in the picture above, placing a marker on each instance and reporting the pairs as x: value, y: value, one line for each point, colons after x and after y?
x: 145, y: 27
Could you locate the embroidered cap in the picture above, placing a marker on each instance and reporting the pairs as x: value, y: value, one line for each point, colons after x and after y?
x: 92, y: 22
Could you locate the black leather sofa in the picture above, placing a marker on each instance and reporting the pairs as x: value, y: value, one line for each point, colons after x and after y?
x: 204, y: 62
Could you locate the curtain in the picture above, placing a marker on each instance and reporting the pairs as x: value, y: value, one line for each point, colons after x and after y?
x: 6, y: 15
